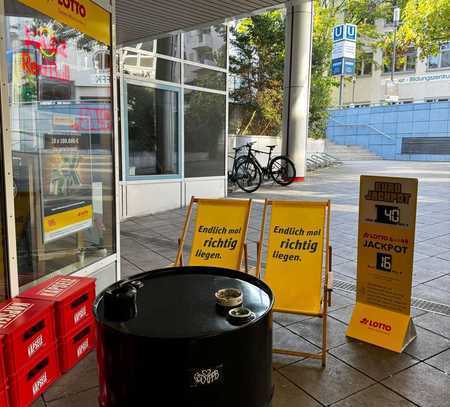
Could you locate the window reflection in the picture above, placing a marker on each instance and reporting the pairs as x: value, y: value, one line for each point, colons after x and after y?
x: 204, y: 134
x: 61, y: 118
x: 203, y: 77
x: 207, y: 46
x: 152, y: 131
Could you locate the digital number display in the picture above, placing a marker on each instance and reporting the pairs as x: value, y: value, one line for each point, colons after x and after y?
x: 384, y: 262
x: 388, y: 214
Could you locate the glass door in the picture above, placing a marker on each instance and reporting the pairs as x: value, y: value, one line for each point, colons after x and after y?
x: 3, y: 257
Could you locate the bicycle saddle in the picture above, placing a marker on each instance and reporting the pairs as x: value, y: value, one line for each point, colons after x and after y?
x: 271, y: 147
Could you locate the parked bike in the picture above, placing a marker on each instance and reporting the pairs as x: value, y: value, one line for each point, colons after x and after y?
x: 244, y: 172
x: 248, y: 172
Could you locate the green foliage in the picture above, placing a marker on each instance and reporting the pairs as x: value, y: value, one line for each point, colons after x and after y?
x: 426, y: 25
x: 259, y: 61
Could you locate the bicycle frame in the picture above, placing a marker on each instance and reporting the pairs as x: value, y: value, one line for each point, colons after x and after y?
x: 252, y: 156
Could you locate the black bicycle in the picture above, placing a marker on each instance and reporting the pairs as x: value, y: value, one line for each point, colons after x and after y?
x: 280, y: 168
x: 244, y: 172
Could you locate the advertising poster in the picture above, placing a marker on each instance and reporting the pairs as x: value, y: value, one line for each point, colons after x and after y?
x: 387, y: 218
x: 220, y: 232
x: 25, y: 76
x: 295, y: 256
x: 66, y: 184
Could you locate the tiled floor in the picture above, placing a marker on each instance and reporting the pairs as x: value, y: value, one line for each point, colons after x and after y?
x: 357, y: 374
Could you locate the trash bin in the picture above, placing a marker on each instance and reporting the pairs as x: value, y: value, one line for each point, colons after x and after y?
x: 165, y: 339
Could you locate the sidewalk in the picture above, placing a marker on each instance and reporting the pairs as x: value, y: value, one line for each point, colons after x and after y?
x: 357, y: 374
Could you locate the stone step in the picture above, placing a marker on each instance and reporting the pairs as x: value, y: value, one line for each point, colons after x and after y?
x: 350, y: 152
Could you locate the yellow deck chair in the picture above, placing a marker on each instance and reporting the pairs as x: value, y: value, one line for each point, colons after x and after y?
x: 220, y: 233
x: 298, y: 247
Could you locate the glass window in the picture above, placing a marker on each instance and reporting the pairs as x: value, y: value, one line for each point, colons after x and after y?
x: 364, y: 64
x: 61, y: 126
x: 207, y: 46
x: 403, y: 63
x: 441, y: 60
x: 204, y: 134
x: 170, y: 46
x: 152, y: 131
x: 204, y: 77
x: 149, y: 67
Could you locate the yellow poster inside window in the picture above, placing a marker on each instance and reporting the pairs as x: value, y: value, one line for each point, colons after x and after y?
x: 220, y: 232
x: 295, y: 255
x: 83, y: 15
x: 387, y: 219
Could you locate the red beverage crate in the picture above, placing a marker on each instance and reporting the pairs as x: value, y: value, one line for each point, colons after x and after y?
x: 75, y: 346
x: 2, y: 366
x: 73, y: 298
x: 33, y: 379
x: 4, y: 402
x: 28, y: 328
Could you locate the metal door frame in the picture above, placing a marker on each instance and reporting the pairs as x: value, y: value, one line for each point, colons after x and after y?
x: 11, y: 252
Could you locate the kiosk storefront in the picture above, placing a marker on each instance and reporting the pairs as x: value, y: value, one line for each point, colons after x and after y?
x: 59, y: 174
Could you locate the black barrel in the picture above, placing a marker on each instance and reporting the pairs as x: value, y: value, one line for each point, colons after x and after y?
x: 163, y: 340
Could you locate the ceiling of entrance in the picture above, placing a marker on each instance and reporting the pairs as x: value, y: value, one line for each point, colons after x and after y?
x: 139, y: 19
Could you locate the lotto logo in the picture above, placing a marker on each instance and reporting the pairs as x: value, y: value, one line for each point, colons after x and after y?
x: 376, y: 324
x: 39, y: 384
x: 80, y: 314
x: 82, y: 348
x: 35, y: 345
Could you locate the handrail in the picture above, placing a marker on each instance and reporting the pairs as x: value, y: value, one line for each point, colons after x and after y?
x: 364, y: 125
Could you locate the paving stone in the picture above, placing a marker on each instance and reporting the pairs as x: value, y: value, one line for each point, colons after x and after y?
x: 288, y: 319
x: 311, y: 330
x: 288, y: 395
x: 327, y: 385
x: 374, y: 396
x: 434, y: 264
x: 428, y: 249
x: 38, y: 403
x: 128, y: 269
x: 82, y: 377
x: 373, y: 361
x: 442, y: 283
x: 423, y: 385
x: 439, y: 324
x: 441, y: 361
x: 88, y: 398
x: 285, y: 339
x: 432, y: 294
x: 343, y: 314
x: 427, y: 344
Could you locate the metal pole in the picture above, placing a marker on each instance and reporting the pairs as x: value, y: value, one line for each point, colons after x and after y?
x: 341, y: 91
x: 394, y: 53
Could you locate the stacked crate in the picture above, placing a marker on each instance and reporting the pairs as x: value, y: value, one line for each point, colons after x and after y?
x: 72, y: 299
x: 3, y: 384
x: 31, y: 359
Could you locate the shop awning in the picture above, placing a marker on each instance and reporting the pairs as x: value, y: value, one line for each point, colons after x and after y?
x: 141, y: 19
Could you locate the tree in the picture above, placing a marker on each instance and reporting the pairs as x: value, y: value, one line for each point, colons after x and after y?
x: 259, y: 44
x: 426, y: 25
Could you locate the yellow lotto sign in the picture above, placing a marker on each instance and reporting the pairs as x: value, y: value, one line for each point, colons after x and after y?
x: 295, y: 255
x: 83, y: 15
x: 387, y: 218
x: 66, y: 222
x: 220, y: 231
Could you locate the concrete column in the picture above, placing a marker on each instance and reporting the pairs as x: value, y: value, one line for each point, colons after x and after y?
x: 297, y: 82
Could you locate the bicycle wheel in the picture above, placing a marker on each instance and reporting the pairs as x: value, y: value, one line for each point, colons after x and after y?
x: 282, y: 170
x: 248, y: 176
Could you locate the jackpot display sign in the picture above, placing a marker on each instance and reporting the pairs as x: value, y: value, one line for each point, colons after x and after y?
x: 66, y: 184
x: 386, y: 234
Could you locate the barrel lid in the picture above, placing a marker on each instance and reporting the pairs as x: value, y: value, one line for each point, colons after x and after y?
x: 180, y: 302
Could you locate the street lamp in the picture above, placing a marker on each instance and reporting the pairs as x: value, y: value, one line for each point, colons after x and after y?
x: 396, y: 22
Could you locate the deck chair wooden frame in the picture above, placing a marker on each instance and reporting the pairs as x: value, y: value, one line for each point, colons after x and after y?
x: 327, y: 280
x: 182, y: 240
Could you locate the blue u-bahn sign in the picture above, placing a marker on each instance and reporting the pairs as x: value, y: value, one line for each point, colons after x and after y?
x: 345, y: 32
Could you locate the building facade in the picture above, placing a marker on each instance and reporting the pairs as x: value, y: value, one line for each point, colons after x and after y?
x: 174, y: 120
x: 416, y: 79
